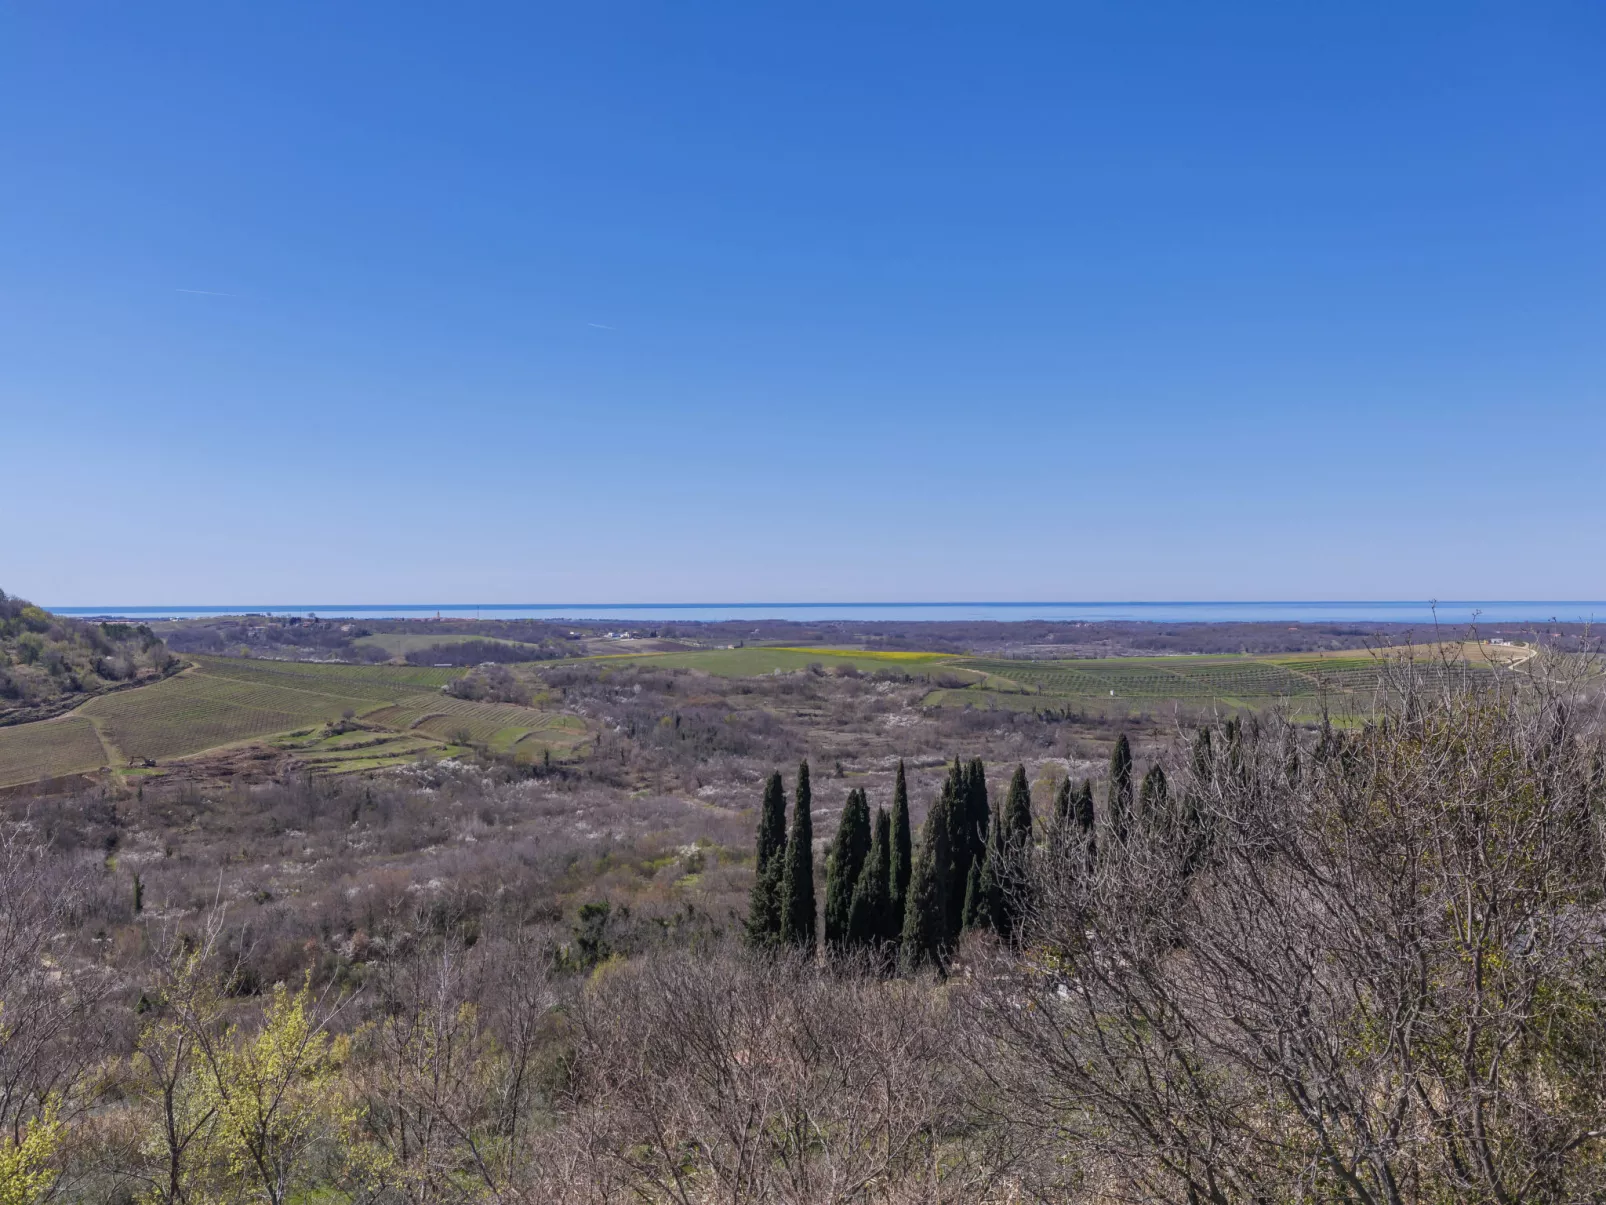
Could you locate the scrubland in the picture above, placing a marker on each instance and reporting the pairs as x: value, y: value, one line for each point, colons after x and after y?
x: 1358, y: 961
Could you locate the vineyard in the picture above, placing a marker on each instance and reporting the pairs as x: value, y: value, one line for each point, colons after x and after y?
x: 1230, y: 680
x: 225, y: 701
x: 48, y: 749
x: 499, y: 725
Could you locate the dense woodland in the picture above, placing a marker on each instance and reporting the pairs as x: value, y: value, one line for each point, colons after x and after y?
x: 1247, y: 960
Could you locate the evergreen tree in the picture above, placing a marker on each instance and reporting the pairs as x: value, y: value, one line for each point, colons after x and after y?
x: 1118, y: 801
x: 1153, y: 797
x: 1003, y: 878
x: 798, y: 919
x: 1064, y: 802
x: 764, y: 911
x: 989, y: 911
x: 925, y: 921
x: 843, y: 867
x: 980, y: 811
x: 969, y: 814
x: 870, y: 913
x: 902, y: 852
x: 1018, y: 811
x: 976, y: 916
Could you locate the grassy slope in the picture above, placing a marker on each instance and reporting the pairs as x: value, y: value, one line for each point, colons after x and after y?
x: 1229, y: 680
x: 223, y: 701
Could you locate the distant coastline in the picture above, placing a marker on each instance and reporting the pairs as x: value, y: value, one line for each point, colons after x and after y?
x: 1415, y: 612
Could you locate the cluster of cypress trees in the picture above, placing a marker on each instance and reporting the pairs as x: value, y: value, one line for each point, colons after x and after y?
x: 866, y: 872
x: 885, y: 898
x: 967, y: 875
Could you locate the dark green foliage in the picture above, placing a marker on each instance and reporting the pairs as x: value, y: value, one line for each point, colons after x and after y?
x: 992, y: 906
x: 591, y: 938
x: 1083, y: 809
x: 798, y: 916
x: 764, y: 909
x: 843, y: 866
x: 1064, y: 803
x: 1018, y: 810
x: 968, y: 815
x: 902, y: 852
x: 1153, y: 797
x: 870, y: 920
x: 925, y: 923
x: 976, y: 914
x: 1118, y: 797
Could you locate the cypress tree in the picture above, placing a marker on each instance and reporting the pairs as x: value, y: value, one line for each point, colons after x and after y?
x: 925, y: 921
x: 976, y: 916
x: 1018, y: 810
x: 798, y: 919
x: 1153, y: 796
x: 843, y: 867
x: 990, y: 906
x: 902, y: 852
x: 869, y: 915
x: 1063, y: 803
x: 1118, y: 801
x: 968, y: 817
x: 764, y: 911
x: 980, y: 812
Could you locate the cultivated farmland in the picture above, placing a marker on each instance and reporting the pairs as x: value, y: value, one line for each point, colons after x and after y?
x: 399, y: 644
x: 224, y: 700
x: 399, y: 712
x: 754, y: 660
x: 48, y: 749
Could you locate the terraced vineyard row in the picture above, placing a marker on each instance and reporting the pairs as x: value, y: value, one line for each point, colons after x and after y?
x: 500, y: 725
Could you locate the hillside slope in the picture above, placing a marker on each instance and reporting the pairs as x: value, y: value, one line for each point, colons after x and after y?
x: 50, y: 664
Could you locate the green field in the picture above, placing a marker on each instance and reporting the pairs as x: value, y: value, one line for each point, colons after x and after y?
x: 48, y: 749
x: 1123, y: 683
x: 399, y: 644
x: 754, y: 661
x: 223, y: 701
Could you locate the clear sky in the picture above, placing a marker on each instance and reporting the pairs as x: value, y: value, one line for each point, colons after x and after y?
x: 623, y: 302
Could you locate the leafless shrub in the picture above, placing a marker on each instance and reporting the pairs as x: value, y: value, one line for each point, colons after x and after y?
x: 719, y: 1078
x: 1369, y: 968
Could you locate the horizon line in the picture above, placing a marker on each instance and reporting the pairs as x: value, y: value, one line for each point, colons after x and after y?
x: 1239, y: 602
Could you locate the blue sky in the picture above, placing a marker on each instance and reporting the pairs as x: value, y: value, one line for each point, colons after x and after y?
x: 628, y: 302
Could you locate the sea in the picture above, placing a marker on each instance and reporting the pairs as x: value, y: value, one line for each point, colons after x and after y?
x: 1408, y: 611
